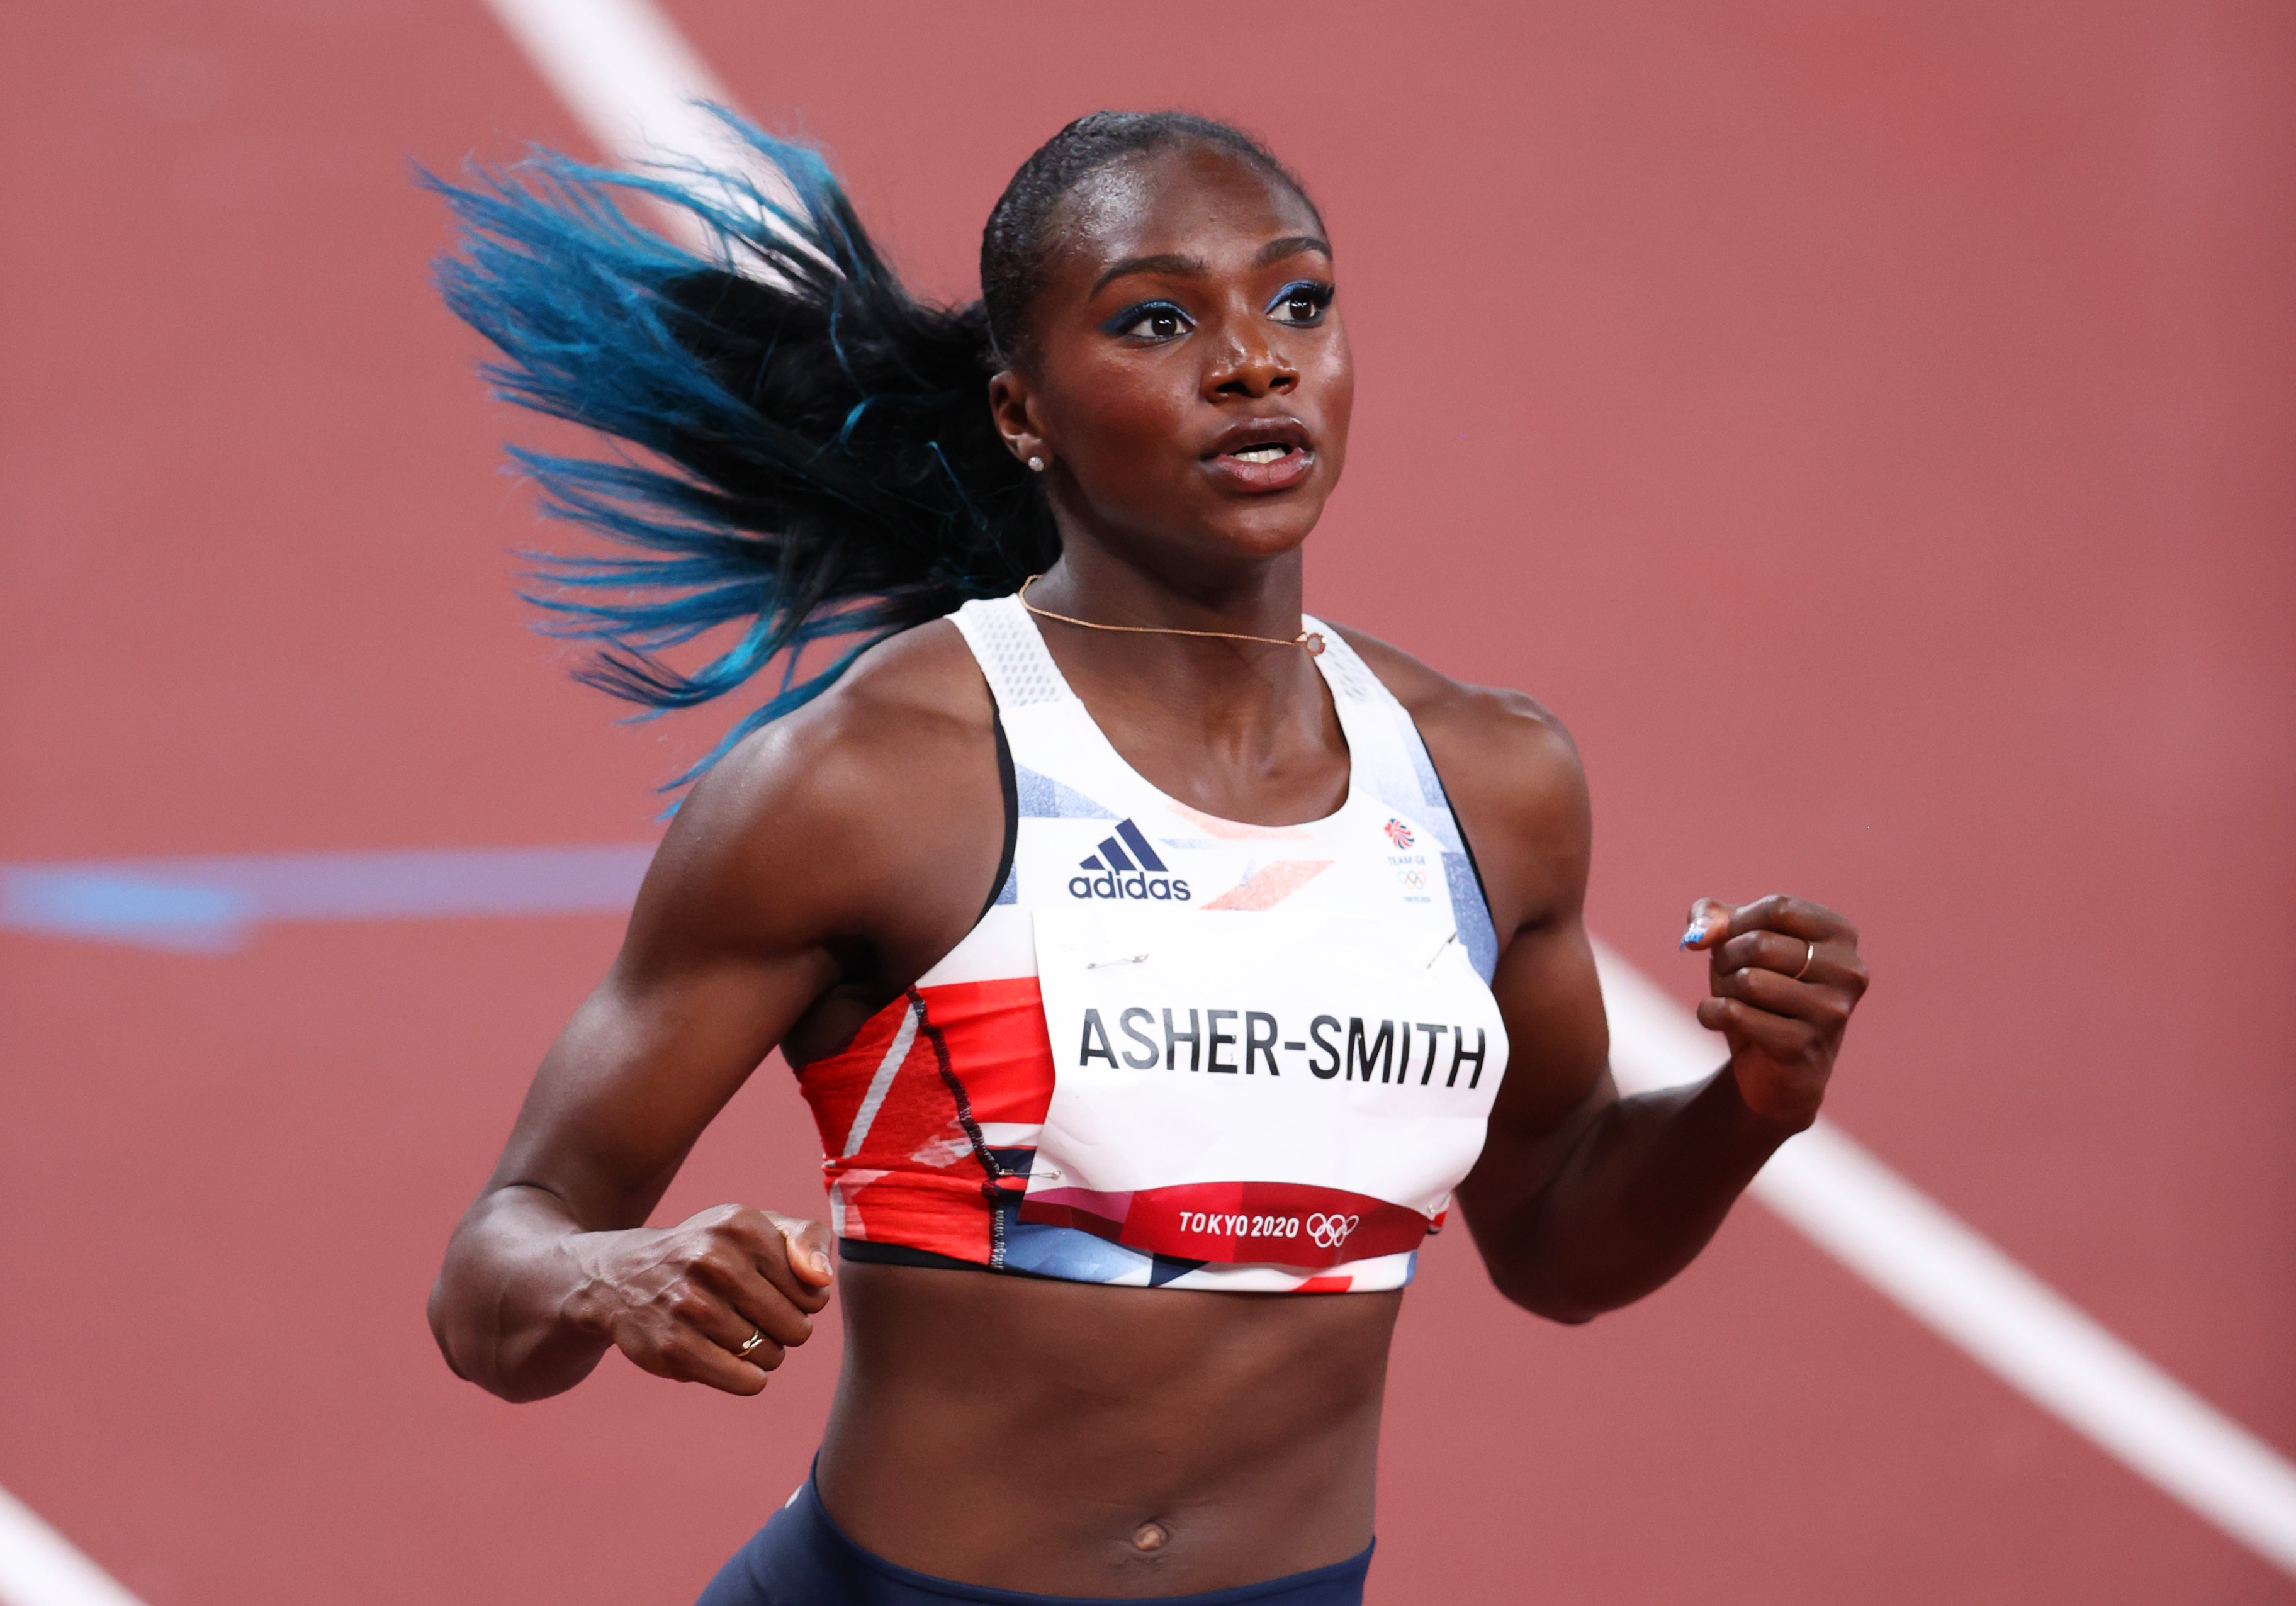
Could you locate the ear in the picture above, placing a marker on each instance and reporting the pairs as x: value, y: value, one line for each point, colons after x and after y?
x: 1013, y: 404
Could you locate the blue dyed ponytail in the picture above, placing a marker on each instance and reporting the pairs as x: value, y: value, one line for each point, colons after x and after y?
x: 815, y: 456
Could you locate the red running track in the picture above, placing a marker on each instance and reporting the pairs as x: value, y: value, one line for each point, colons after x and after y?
x: 1869, y: 430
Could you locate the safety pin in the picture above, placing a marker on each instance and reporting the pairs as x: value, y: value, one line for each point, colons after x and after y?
x: 1439, y: 946
x: 1102, y: 963
x: 1025, y: 1178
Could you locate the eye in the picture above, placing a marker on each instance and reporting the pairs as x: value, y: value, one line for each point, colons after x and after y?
x: 1302, y: 302
x: 1150, y: 322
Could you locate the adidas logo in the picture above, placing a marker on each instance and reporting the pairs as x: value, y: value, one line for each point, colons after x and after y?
x: 1126, y: 866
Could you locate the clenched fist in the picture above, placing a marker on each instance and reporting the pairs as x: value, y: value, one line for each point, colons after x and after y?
x: 1785, y: 975
x: 717, y: 1299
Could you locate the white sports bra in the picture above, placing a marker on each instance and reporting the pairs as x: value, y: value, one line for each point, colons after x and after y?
x: 1179, y: 1051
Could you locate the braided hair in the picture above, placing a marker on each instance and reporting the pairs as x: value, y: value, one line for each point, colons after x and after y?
x: 814, y: 456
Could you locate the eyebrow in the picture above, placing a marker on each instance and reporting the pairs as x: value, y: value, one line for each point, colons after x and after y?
x: 1180, y: 266
x: 1290, y: 245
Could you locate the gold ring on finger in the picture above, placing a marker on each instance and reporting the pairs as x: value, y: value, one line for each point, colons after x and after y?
x: 757, y: 1337
x: 1809, y: 960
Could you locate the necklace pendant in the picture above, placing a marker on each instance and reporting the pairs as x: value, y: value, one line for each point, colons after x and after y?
x: 1313, y: 640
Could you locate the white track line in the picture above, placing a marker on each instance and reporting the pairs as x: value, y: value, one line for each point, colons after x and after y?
x: 634, y: 84
x: 622, y: 63
x: 1951, y: 1278
x: 39, y: 1566
x: 623, y: 69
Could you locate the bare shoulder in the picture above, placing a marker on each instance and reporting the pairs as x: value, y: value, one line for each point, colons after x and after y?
x: 905, y: 702
x: 843, y: 815
x: 1514, y: 776
x: 1487, y: 728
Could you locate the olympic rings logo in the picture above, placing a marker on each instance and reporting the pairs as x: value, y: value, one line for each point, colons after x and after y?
x: 1329, y: 1232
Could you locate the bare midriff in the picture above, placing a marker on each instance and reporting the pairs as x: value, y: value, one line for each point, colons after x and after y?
x: 1075, y: 1438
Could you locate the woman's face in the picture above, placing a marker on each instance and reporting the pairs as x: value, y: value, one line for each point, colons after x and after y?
x: 1189, y: 381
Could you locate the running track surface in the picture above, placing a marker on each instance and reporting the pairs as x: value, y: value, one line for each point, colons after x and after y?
x: 1869, y: 432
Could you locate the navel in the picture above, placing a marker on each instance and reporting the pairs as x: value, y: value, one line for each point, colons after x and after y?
x: 1150, y: 1536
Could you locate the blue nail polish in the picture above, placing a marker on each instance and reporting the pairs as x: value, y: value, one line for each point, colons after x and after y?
x: 1697, y: 930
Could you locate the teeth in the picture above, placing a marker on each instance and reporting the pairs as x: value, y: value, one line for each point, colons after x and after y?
x: 1261, y: 453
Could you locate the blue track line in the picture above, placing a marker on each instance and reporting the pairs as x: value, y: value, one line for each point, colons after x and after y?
x: 214, y: 905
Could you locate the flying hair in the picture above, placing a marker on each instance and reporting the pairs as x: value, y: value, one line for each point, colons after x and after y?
x: 810, y: 455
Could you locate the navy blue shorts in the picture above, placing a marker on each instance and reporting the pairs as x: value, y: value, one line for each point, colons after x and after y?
x: 801, y: 1559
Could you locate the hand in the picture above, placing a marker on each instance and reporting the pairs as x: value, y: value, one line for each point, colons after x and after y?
x: 1784, y: 974
x: 682, y: 1301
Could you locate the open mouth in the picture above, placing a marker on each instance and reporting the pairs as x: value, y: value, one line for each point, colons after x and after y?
x: 1269, y: 453
x: 1256, y: 455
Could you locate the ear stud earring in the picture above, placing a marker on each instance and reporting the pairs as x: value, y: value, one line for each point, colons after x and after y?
x: 1037, y: 463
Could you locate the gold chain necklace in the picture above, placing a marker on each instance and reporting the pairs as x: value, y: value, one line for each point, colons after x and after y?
x: 1312, y: 641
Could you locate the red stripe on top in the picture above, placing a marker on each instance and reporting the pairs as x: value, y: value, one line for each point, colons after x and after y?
x: 997, y: 1045
x: 834, y: 1086
x: 927, y: 1191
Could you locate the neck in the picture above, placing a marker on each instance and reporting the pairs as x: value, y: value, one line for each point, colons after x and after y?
x: 1260, y: 597
x: 1232, y: 725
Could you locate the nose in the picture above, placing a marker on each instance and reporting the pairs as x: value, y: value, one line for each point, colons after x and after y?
x: 1248, y: 365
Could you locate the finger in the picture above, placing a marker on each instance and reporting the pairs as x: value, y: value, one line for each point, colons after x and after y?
x: 1780, y: 1038
x: 685, y: 1354
x: 770, y: 1255
x: 728, y: 1324
x: 731, y: 1272
x: 1804, y: 960
x: 812, y: 1246
x: 711, y: 1304
x: 1795, y: 916
x: 1775, y: 994
x: 762, y: 1305
x: 688, y: 1357
x: 1828, y: 964
x: 1709, y: 923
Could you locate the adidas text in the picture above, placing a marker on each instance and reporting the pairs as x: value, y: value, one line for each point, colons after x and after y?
x: 1127, y: 866
x: 1159, y: 889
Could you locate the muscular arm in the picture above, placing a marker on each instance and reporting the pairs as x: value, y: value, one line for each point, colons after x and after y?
x: 807, y: 879
x: 1583, y: 1201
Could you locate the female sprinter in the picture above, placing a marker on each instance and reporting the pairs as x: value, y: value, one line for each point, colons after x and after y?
x: 1159, y: 963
